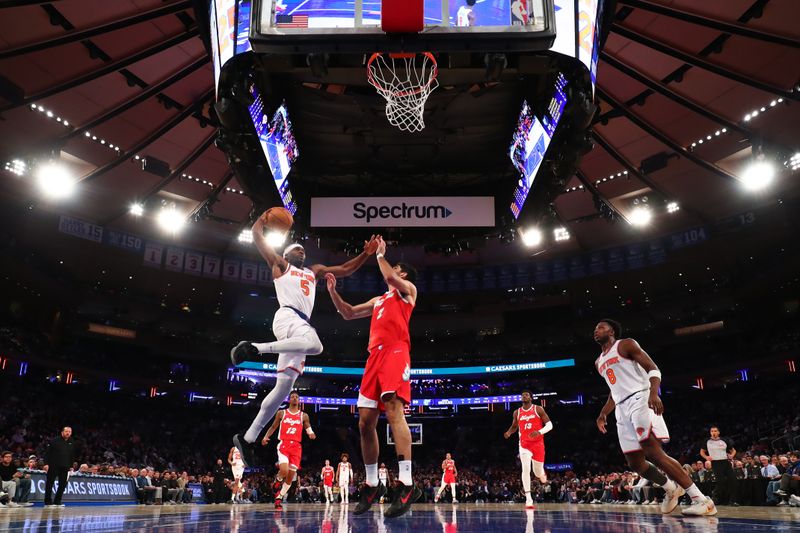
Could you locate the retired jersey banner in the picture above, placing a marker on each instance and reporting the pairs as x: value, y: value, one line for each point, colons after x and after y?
x: 419, y: 211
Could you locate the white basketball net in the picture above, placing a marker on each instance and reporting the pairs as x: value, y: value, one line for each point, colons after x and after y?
x: 405, y: 81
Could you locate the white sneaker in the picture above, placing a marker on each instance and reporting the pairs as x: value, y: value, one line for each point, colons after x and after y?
x: 671, y: 499
x: 12, y: 504
x: 646, y: 502
x: 529, y: 504
x: 455, y: 501
x: 703, y: 507
x: 654, y: 502
x: 783, y: 503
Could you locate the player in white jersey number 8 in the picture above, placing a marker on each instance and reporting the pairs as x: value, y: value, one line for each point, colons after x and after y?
x: 634, y: 381
x: 295, y: 287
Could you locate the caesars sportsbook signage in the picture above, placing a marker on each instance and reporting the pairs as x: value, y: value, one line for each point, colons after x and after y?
x: 417, y: 211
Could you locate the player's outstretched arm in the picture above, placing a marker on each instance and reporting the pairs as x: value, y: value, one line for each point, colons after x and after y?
x: 514, y: 426
x: 348, y: 312
x: 273, y: 428
x: 277, y: 263
x: 604, y: 412
x: 548, y: 424
x: 630, y: 349
x: 392, y: 278
x: 307, y: 427
x: 347, y: 269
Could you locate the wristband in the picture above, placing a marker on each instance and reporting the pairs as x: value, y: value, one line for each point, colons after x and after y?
x: 309, y: 431
x: 378, y: 255
x: 654, y: 374
x: 547, y: 427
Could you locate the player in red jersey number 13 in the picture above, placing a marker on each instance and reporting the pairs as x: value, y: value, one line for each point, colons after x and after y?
x: 387, y: 379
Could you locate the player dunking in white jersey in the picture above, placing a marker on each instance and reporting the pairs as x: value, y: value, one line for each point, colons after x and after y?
x: 237, y: 467
x: 295, y: 287
x: 634, y: 380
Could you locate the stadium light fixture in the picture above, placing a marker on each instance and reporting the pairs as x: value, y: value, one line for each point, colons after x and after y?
x: 561, y: 234
x: 531, y: 237
x: 55, y: 181
x: 170, y: 219
x: 246, y: 236
x: 137, y: 209
x: 673, y: 207
x: 758, y: 175
x: 276, y: 239
x: 640, y: 216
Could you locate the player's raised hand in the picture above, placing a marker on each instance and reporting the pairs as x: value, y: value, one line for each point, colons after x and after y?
x: 330, y: 281
x: 601, y: 423
x: 381, y: 246
x: 371, y: 246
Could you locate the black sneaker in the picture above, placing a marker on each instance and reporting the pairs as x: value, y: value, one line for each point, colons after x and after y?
x: 242, y: 351
x: 404, y: 496
x: 367, y: 496
x: 247, y: 449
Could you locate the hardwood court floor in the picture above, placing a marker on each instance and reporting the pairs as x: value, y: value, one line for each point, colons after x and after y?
x: 448, y: 518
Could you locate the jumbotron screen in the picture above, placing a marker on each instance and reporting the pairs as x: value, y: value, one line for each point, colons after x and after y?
x: 531, y: 140
x: 278, y: 143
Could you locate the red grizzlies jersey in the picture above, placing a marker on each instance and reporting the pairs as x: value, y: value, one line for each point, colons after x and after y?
x: 390, y: 317
x: 327, y: 475
x: 291, y: 426
x: 528, y: 422
x: 449, y: 467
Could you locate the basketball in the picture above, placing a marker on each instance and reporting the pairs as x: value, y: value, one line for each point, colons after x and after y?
x: 278, y: 218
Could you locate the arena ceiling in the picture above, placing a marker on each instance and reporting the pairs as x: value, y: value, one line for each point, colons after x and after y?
x: 687, y: 91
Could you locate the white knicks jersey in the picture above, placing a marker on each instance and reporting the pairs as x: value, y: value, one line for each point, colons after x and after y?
x: 462, y: 17
x: 624, y: 376
x: 344, y: 471
x: 297, y: 288
x: 383, y: 474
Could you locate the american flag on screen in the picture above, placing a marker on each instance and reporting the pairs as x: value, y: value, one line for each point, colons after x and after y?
x: 291, y: 21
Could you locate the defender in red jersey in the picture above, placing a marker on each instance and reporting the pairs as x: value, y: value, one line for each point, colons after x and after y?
x: 387, y: 379
x: 532, y: 423
x: 327, y: 480
x: 291, y: 422
x: 449, y: 473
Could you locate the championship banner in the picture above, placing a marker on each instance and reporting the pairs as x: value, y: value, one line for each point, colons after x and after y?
x: 80, y: 228
x: 403, y: 212
x: 87, y: 488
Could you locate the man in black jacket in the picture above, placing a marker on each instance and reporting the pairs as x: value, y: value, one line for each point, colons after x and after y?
x: 219, y: 472
x: 59, y: 457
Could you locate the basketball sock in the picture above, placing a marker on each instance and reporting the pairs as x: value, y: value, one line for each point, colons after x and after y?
x: 694, y: 493
x: 526, y: 475
x: 453, y: 490
x: 270, y: 404
x: 372, y: 474
x: 307, y: 345
x: 669, y: 485
x: 405, y: 472
x: 285, y: 488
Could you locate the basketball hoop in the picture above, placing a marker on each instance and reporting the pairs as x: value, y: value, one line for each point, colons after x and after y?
x: 405, y: 81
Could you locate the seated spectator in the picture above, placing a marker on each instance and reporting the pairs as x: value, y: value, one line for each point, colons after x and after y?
x: 790, y: 482
x: 770, y: 472
x: 8, y: 476
x: 24, y: 482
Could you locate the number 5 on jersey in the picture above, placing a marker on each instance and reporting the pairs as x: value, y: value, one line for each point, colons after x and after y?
x: 305, y: 287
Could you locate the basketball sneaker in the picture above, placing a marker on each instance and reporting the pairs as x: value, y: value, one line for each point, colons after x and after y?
x: 671, y: 499
x: 247, y: 449
x: 529, y: 502
x: 404, y: 496
x: 704, y: 507
x: 367, y: 496
x: 242, y: 351
x: 278, y: 503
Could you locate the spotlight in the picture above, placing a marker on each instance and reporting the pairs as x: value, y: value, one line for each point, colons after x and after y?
x: 276, y: 239
x: 640, y: 216
x: 55, y: 181
x: 531, y: 237
x: 246, y: 236
x: 170, y: 219
x: 561, y: 234
x: 137, y: 209
x: 758, y: 175
x: 672, y: 207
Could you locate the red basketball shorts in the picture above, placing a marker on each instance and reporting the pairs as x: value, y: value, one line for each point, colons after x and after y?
x: 388, y: 371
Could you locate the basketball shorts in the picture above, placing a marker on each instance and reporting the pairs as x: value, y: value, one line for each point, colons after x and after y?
x: 285, y: 324
x: 238, y: 471
x: 532, y: 451
x: 388, y: 371
x: 635, y: 422
x: 451, y: 478
x: 290, y: 452
x: 344, y: 482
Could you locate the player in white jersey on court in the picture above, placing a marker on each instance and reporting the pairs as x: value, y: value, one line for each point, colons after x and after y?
x: 295, y: 287
x: 634, y: 381
x: 237, y: 467
x: 344, y: 473
x: 465, y: 16
x: 383, y: 478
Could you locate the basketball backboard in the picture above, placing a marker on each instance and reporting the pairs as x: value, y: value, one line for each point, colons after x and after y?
x: 354, y: 25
